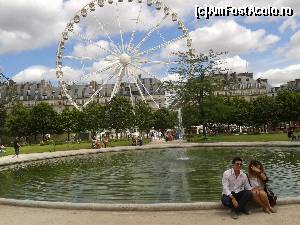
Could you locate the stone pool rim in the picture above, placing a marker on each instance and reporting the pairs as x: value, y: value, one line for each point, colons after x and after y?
x: 26, y: 158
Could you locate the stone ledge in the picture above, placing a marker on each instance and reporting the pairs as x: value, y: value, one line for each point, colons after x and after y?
x: 129, y: 207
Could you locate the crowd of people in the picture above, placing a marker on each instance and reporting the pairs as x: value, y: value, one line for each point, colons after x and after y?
x: 240, y: 188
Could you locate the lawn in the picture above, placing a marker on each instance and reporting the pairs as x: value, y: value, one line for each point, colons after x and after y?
x: 27, y: 149
x: 241, y: 138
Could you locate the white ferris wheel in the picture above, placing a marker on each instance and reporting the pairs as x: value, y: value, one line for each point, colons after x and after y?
x: 112, y: 43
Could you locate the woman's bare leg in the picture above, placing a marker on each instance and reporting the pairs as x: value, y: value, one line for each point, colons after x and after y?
x: 257, y: 199
x: 264, y: 198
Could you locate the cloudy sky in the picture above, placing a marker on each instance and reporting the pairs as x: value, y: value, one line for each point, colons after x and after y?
x: 269, y: 47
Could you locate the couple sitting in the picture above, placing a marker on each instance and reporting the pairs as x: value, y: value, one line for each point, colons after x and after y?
x: 238, y: 189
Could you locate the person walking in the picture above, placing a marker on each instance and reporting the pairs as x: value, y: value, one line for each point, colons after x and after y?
x: 105, y: 141
x: 17, y: 147
x: 236, y: 189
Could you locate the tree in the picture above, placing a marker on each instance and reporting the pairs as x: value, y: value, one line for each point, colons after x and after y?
x: 265, y: 112
x: 143, y: 116
x: 288, y: 106
x: 95, y: 118
x: 196, y: 82
x: 71, y: 121
x: 190, y: 116
x: 43, y: 120
x: 2, y: 118
x: 18, y: 121
x: 120, y: 114
x: 164, y: 119
x: 217, y: 112
x: 241, y: 114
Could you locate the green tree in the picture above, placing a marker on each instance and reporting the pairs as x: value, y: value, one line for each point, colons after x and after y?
x: 265, y: 112
x: 18, y: 121
x: 217, y: 112
x: 164, y: 119
x: 43, y: 120
x: 120, y: 114
x: 95, y: 117
x: 71, y: 121
x: 190, y: 116
x: 288, y: 106
x: 241, y: 114
x: 2, y: 118
x: 143, y: 116
x: 196, y: 83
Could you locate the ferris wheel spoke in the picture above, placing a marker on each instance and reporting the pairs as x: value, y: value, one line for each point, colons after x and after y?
x: 108, y: 35
x: 120, y: 29
x: 101, y: 70
x: 71, y: 57
x: 147, y: 61
x: 169, y: 59
x: 160, y: 46
x: 134, y: 30
x: 117, y: 84
x: 143, y: 70
x: 147, y: 91
x: 98, y: 91
x: 148, y: 35
x: 89, y: 41
x: 138, y: 87
x: 129, y: 85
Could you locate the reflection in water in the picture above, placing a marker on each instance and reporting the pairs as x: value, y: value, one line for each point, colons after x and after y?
x: 152, y: 176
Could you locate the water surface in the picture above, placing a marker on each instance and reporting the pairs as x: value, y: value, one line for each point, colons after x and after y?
x: 152, y: 176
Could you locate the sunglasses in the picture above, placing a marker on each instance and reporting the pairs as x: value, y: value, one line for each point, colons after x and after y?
x: 238, y: 164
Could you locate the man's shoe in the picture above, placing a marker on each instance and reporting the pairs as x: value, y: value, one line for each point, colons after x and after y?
x: 247, y: 211
x: 234, y: 215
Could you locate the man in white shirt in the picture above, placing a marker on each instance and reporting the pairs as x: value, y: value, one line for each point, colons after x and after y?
x: 236, y: 189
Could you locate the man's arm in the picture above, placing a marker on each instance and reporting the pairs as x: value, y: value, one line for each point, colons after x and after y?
x: 225, y: 183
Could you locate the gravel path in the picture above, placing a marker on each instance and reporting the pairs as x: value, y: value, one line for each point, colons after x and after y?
x: 12, y: 215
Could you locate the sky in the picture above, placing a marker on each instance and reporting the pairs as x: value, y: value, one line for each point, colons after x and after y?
x: 31, y: 30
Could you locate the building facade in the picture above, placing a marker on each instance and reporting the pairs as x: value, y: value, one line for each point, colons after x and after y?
x: 243, y: 85
x: 32, y: 93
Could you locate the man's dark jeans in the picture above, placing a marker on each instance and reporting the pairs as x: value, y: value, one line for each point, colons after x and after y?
x: 242, y: 198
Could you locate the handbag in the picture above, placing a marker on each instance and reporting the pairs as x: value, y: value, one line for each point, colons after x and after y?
x: 271, y: 196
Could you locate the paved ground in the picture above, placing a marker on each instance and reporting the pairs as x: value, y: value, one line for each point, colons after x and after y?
x: 11, y: 215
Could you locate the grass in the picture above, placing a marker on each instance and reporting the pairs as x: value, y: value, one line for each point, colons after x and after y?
x: 27, y: 149
x: 124, y: 142
x: 241, y: 138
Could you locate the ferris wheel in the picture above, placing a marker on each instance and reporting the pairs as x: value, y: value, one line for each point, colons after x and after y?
x: 114, y: 45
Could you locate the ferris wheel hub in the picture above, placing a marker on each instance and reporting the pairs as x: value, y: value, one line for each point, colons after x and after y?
x: 124, y: 59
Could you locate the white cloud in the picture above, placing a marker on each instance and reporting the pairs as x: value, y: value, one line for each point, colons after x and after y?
x: 292, y: 49
x: 294, y: 46
x: 276, y: 77
x: 92, y: 50
x: 29, y: 24
x: 34, y: 73
x: 171, y: 77
x: 226, y: 36
x: 232, y: 37
x: 291, y: 22
x: 40, y: 23
x: 234, y: 64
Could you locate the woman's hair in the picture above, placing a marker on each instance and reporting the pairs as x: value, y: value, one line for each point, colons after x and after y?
x: 255, y: 163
